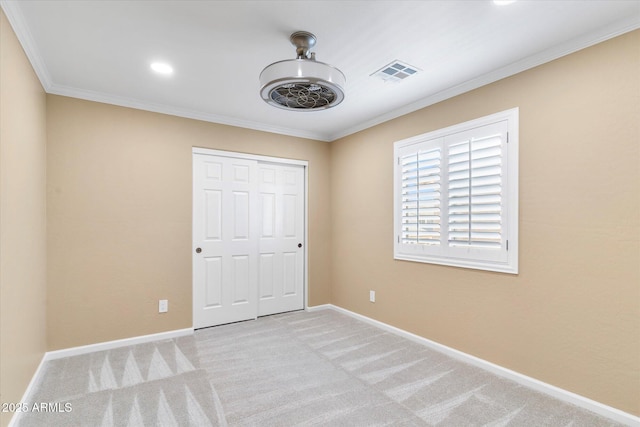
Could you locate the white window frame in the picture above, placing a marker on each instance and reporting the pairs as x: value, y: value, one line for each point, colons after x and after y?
x: 503, y: 259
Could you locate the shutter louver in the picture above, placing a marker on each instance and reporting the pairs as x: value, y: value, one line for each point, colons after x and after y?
x: 456, y: 195
x: 421, y: 197
x: 475, y: 192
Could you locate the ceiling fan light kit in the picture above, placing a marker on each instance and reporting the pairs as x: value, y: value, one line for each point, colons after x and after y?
x: 302, y: 84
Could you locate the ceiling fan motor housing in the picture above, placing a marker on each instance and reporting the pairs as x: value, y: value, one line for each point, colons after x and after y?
x: 302, y: 84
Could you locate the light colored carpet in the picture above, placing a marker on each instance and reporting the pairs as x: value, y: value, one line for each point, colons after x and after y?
x: 294, y: 369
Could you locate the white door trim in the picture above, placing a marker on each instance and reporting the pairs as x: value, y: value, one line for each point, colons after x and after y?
x: 247, y: 156
x: 269, y: 159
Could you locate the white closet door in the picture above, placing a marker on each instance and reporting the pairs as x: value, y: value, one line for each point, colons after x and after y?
x: 225, y: 233
x: 281, y: 238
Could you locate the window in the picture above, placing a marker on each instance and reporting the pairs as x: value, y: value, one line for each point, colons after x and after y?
x: 456, y: 195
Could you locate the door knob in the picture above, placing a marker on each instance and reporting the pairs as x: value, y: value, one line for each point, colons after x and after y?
x: 299, y: 245
x: 198, y: 250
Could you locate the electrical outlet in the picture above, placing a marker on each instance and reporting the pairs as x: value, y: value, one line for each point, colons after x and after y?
x: 372, y: 296
x: 163, y: 306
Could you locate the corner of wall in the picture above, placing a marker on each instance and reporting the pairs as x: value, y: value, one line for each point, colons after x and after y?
x: 22, y: 219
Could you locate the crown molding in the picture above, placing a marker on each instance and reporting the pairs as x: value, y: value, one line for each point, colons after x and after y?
x: 20, y: 28
x: 563, y: 49
x: 122, y: 101
x: 25, y: 38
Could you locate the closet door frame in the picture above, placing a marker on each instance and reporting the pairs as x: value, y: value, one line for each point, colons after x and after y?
x: 276, y: 160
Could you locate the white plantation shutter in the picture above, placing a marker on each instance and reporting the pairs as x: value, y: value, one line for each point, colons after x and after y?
x: 456, y: 195
x: 476, y: 192
x: 421, y: 197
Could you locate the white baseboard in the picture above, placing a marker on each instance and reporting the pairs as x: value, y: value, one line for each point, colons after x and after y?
x: 318, y: 307
x: 551, y: 390
x: 34, y: 379
x: 108, y: 345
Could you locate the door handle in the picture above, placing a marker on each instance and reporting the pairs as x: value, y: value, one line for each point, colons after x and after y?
x: 198, y: 250
x: 299, y: 245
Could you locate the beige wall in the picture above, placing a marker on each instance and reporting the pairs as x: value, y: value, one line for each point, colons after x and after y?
x: 119, y: 216
x: 118, y: 197
x: 23, y: 257
x: 571, y: 317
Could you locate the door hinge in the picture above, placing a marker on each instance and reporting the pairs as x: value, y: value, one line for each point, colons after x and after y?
x: 507, y: 137
x: 398, y: 238
x: 507, y: 245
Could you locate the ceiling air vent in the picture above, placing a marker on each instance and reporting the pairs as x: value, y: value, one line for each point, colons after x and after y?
x: 395, y: 71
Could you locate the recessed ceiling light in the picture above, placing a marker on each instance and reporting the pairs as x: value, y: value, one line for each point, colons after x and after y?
x: 503, y: 2
x: 162, y: 68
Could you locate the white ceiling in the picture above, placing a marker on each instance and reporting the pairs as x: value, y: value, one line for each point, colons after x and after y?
x: 101, y: 51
